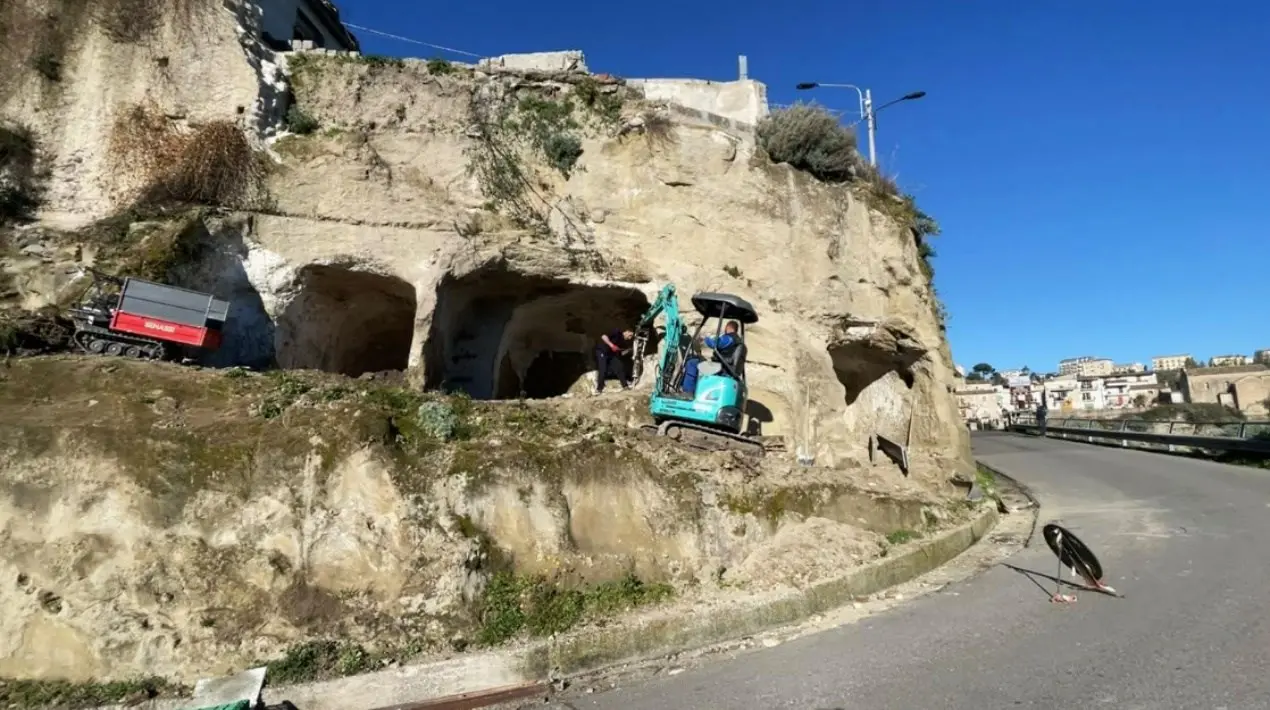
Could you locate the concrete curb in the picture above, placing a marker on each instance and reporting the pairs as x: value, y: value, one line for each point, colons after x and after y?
x: 593, y: 649
x: 1024, y: 489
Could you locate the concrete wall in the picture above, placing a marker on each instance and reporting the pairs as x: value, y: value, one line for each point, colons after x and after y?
x: 567, y: 60
x: 1251, y: 393
x: 744, y: 101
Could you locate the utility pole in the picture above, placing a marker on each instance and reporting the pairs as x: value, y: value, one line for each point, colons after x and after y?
x: 867, y: 113
x: 873, y: 127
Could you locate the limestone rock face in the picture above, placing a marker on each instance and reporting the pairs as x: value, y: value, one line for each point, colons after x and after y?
x: 402, y: 235
x: 847, y: 344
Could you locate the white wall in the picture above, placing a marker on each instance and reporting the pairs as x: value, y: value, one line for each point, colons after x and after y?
x: 744, y: 100
x: 567, y: 60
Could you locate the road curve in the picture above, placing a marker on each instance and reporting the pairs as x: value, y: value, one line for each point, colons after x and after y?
x: 1184, y: 540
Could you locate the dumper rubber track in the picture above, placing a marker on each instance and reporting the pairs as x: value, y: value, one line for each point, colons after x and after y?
x: 705, y: 438
x: 100, y: 341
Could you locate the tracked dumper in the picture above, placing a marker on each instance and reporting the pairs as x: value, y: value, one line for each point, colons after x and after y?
x: 136, y: 318
x: 696, y: 401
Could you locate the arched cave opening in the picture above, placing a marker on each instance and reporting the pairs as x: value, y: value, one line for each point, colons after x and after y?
x: 500, y: 334
x: 859, y: 364
x: 346, y: 321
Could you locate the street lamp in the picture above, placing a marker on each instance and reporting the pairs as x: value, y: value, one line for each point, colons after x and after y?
x: 867, y: 112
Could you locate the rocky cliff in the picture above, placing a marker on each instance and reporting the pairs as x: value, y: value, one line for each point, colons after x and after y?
x: 474, y: 229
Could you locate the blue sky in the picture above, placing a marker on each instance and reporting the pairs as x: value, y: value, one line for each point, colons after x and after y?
x: 1098, y: 170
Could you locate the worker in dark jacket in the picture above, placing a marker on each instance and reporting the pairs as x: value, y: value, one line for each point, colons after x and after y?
x: 608, y: 356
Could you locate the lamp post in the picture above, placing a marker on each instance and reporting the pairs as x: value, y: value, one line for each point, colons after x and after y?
x: 867, y: 112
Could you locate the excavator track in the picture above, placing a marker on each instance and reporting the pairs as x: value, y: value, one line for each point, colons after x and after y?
x: 705, y: 438
x: 100, y: 341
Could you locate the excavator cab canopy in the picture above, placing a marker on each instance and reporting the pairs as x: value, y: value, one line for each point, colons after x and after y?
x: 725, y: 306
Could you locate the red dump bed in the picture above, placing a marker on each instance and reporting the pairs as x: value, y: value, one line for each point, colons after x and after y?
x: 170, y: 314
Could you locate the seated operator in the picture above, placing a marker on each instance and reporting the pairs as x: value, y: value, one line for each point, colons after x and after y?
x: 725, y: 345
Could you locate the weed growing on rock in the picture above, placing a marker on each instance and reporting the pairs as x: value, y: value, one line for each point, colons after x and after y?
x: 606, y: 104
x: 300, y: 122
x: 511, y: 128
x: 899, y: 537
x: 20, y: 185
x: 316, y: 660
x: 562, y: 151
x: 64, y: 694
x: 440, y: 66
x: 306, y: 70
x: 512, y: 604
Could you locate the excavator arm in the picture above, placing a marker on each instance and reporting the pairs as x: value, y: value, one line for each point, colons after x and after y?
x: 667, y: 304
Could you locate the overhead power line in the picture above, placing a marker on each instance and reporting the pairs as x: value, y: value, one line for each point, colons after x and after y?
x: 412, y: 41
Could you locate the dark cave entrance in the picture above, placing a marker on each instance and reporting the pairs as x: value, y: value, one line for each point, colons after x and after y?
x: 501, y: 334
x: 859, y: 364
x: 347, y: 321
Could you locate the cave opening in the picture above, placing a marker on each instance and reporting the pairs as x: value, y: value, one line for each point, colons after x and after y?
x: 501, y: 334
x: 346, y: 321
x: 859, y: 364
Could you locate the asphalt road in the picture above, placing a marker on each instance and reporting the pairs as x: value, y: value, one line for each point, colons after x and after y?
x: 1184, y: 540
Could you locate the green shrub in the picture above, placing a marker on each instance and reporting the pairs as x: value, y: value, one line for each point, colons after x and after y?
x: 439, y: 66
x: 298, y: 121
x: 19, y: 191
x: 438, y: 420
x: 809, y: 138
x: 562, y: 151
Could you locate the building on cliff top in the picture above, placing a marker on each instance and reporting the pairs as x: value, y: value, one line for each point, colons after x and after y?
x: 315, y: 21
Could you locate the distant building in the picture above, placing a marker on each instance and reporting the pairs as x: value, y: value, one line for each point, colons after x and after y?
x: 1086, y: 366
x: 1242, y: 387
x: 1059, y: 393
x: 1169, y: 362
x: 1130, y: 390
x: 1129, y: 367
x: 1262, y: 357
x: 315, y: 23
x: 979, y: 403
x: 1227, y: 360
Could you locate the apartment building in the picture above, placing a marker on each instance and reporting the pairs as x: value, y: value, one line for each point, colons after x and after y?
x: 1169, y: 362
x: 1227, y: 360
x: 1129, y: 367
x: 1262, y: 357
x: 1130, y: 390
x: 1060, y: 393
x: 1086, y: 366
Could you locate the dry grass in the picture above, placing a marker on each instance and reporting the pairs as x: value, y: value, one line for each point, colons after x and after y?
x: 213, y: 164
x: 658, y: 128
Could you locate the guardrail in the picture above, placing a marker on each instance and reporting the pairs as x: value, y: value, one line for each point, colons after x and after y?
x: 1230, y: 436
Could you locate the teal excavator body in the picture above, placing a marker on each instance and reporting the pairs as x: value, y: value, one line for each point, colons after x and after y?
x: 698, y: 400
